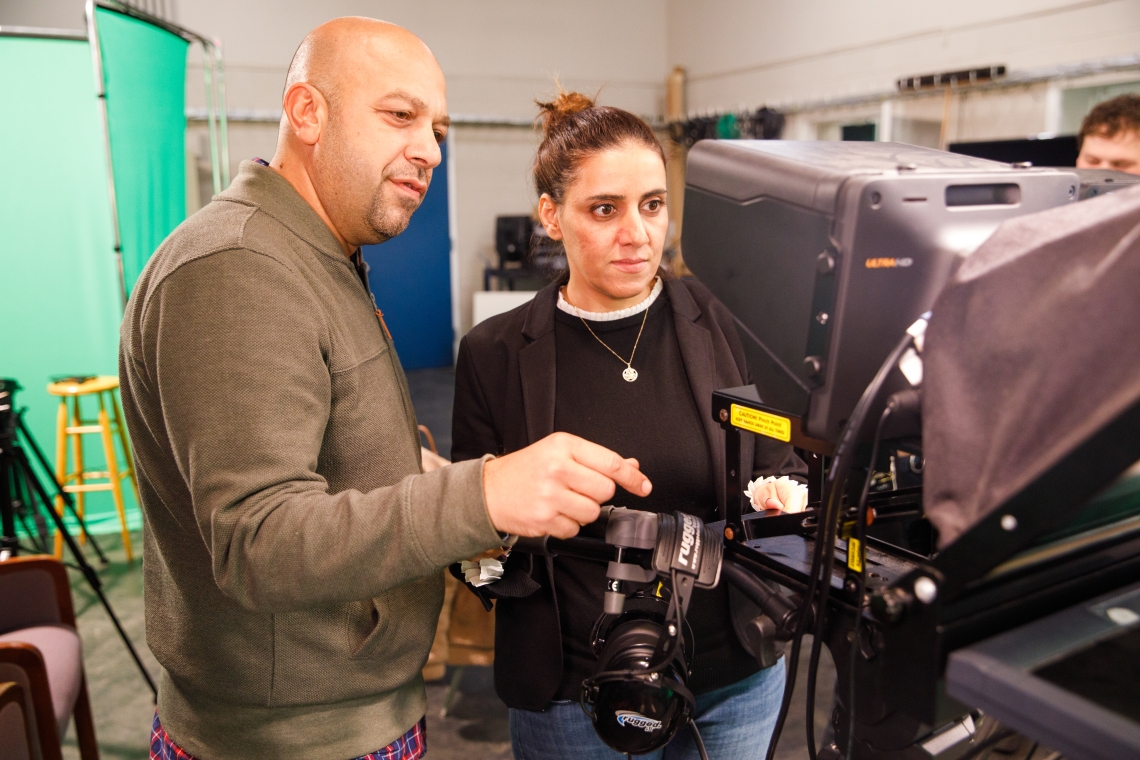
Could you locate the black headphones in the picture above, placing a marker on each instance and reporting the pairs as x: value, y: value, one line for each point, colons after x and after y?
x: 638, y: 695
x: 635, y: 708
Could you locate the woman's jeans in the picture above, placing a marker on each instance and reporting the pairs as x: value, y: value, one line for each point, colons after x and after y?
x: 736, y: 723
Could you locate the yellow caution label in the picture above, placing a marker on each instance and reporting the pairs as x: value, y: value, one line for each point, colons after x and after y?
x: 854, y: 555
x: 762, y: 423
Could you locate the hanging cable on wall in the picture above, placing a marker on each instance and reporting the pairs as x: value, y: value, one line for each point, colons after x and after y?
x: 762, y: 124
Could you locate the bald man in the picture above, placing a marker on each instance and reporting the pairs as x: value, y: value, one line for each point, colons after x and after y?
x: 294, y: 548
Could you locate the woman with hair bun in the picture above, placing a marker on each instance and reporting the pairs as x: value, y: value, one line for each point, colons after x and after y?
x: 618, y: 352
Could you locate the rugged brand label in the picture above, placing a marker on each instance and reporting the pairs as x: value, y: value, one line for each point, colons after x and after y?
x: 887, y: 263
x: 689, y: 553
x: 756, y: 421
x: 637, y: 720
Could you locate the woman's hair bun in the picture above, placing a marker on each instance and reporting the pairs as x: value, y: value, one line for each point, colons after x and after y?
x: 573, y: 129
x: 566, y: 104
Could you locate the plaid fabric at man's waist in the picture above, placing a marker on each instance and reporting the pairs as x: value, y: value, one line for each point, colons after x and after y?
x: 410, y: 746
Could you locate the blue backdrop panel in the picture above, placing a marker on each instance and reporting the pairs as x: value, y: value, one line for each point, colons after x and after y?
x: 411, y: 278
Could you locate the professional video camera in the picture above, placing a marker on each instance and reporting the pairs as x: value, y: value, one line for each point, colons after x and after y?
x: 1012, y: 407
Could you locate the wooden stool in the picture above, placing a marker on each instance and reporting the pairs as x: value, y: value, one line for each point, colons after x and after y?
x: 70, y: 426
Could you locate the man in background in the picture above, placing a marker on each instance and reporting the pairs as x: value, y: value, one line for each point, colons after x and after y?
x: 294, y: 549
x: 1110, y: 136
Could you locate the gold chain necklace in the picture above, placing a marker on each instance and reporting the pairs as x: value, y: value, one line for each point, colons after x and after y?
x: 629, y: 374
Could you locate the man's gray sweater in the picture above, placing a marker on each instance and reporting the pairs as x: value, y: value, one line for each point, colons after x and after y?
x: 293, y: 549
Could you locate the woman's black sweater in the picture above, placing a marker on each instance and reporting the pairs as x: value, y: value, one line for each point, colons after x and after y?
x: 655, y: 420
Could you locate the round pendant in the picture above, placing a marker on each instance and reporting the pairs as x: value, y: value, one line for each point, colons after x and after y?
x: 630, y: 374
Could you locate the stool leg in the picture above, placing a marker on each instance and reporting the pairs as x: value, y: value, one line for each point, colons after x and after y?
x: 452, y: 692
x: 113, y: 471
x: 80, y: 467
x: 126, y: 445
x: 60, y: 466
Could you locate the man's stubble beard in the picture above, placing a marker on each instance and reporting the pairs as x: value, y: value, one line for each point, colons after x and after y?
x: 388, y: 219
x: 384, y: 217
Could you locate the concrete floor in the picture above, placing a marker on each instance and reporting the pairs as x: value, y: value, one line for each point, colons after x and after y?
x: 433, y: 392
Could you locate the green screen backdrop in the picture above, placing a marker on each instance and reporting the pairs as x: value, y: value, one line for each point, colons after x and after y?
x: 60, y: 292
x: 59, y: 308
x: 144, y: 73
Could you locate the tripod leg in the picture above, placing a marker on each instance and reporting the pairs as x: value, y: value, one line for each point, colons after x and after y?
x: 24, y: 505
x: 29, y: 530
x: 60, y: 467
x: 29, y: 439
x: 43, y: 535
x: 84, y: 567
x: 8, y: 544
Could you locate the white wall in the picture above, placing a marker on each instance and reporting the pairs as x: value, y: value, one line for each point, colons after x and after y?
x: 773, y: 52
x: 492, y: 178
x: 498, y: 55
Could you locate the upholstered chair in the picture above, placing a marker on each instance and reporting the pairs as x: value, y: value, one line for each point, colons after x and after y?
x: 40, y: 651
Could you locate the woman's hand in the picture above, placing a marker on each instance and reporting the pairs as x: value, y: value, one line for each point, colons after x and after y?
x: 777, y: 494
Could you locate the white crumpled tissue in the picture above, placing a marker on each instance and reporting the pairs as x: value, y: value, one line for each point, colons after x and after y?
x: 482, y: 572
x: 792, y: 494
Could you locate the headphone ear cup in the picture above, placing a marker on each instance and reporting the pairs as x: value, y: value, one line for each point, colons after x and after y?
x: 633, y: 710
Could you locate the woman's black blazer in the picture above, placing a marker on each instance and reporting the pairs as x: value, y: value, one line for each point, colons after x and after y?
x: 504, y: 401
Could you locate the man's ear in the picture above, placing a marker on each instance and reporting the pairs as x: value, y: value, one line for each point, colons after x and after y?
x: 548, y: 215
x: 307, y: 111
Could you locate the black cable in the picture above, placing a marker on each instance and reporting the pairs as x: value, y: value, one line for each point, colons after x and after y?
x: 794, y: 655
x: 698, y: 740
x: 676, y: 608
x: 832, y: 515
x: 861, y: 587
x: 818, y: 551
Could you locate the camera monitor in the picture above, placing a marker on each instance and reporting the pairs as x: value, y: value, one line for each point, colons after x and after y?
x: 826, y: 252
